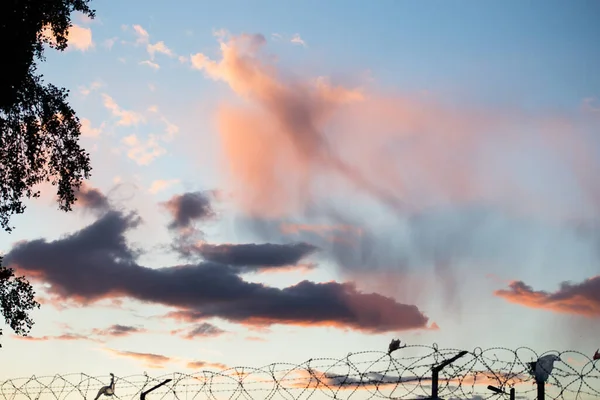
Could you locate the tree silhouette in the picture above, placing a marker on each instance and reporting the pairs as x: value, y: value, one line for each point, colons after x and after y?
x: 39, y: 131
x: 16, y: 300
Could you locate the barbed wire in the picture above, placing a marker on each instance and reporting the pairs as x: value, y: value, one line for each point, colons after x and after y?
x: 406, y: 373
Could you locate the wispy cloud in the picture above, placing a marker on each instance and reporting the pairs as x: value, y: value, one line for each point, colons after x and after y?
x: 150, y: 64
x: 141, y: 34
x: 85, y: 90
x: 87, y: 130
x: 126, y: 117
x: 203, y: 329
x: 150, y: 360
x: 205, y: 365
x: 143, y: 152
x: 296, y: 39
x: 162, y: 184
x: 159, y: 47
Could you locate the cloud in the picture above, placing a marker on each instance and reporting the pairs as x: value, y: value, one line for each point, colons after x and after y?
x: 95, y: 335
x: 162, y: 184
x: 87, y: 130
x: 80, y: 38
x: 143, y: 152
x: 109, y: 43
x: 296, y: 39
x: 64, y: 336
x: 151, y: 64
x: 433, y: 185
x: 254, y: 256
x: 143, y: 37
x: 141, y: 33
x: 580, y: 298
x: 92, y: 87
x: 96, y: 263
x: 255, y: 339
x: 188, y: 208
x: 170, y: 128
x: 126, y: 118
x: 91, y: 198
x: 292, y: 139
x: 204, y: 364
x: 159, y: 47
x: 118, y: 331
x: 149, y: 359
x: 290, y: 117
x: 200, y: 330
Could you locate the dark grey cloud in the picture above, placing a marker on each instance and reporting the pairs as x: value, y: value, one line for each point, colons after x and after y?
x: 96, y: 263
x: 187, y: 208
x: 117, y: 330
x: 203, y: 329
x: 256, y: 256
x: 91, y: 198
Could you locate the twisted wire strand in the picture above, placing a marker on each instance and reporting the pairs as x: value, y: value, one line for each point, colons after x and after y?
x: 403, y: 374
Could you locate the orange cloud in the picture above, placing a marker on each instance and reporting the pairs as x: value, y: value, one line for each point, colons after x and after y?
x: 149, y: 359
x: 302, y: 268
x: 78, y: 37
x: 204, y: 365
x: 64, y: 336
x: 255, y: 339
x: 292, y: 140
x: 582, y: 298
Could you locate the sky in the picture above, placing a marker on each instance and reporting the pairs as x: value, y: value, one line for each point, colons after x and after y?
x: 290, y: 180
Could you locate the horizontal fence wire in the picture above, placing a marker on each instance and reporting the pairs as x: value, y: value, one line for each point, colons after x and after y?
x: 406, y: 373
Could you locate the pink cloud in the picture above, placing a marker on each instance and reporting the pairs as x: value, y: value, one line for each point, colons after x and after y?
x: 291, y: 137
x: 579, y: 298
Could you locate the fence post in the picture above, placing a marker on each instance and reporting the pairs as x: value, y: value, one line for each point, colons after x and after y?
x: 143, y: 395
x: 541, y: 390
x: 511, y: 394
x: 435, y: 373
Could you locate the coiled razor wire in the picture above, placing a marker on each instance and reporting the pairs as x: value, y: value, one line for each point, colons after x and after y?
x: 403, y: 374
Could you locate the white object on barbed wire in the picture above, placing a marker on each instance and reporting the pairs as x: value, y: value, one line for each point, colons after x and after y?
x: 597, y: 355
x: 107, y: 390
x: 542, y: 368
x: 394, y: 345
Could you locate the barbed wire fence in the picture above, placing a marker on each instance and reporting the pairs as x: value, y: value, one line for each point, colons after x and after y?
x: 410, y: 372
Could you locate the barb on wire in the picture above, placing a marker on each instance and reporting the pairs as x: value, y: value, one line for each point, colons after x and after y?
x: 406, y: 374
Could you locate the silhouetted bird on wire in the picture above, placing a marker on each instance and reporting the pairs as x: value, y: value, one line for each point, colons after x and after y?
x: 107, y: 390
x: 542, y: 368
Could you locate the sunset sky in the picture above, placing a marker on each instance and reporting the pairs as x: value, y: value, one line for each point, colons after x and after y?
x: 275, y: 181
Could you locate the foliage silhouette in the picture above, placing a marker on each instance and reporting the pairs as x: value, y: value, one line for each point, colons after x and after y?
x: 39, y: 131
x: 16, y: 300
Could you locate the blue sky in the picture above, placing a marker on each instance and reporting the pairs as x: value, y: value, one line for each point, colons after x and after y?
x: 480, y: 120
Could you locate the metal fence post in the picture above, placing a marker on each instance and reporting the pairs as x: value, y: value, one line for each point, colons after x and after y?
x: 511, y: 394
x: 541, y: 390
x: 435, y: 373
x: 143, y: 395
